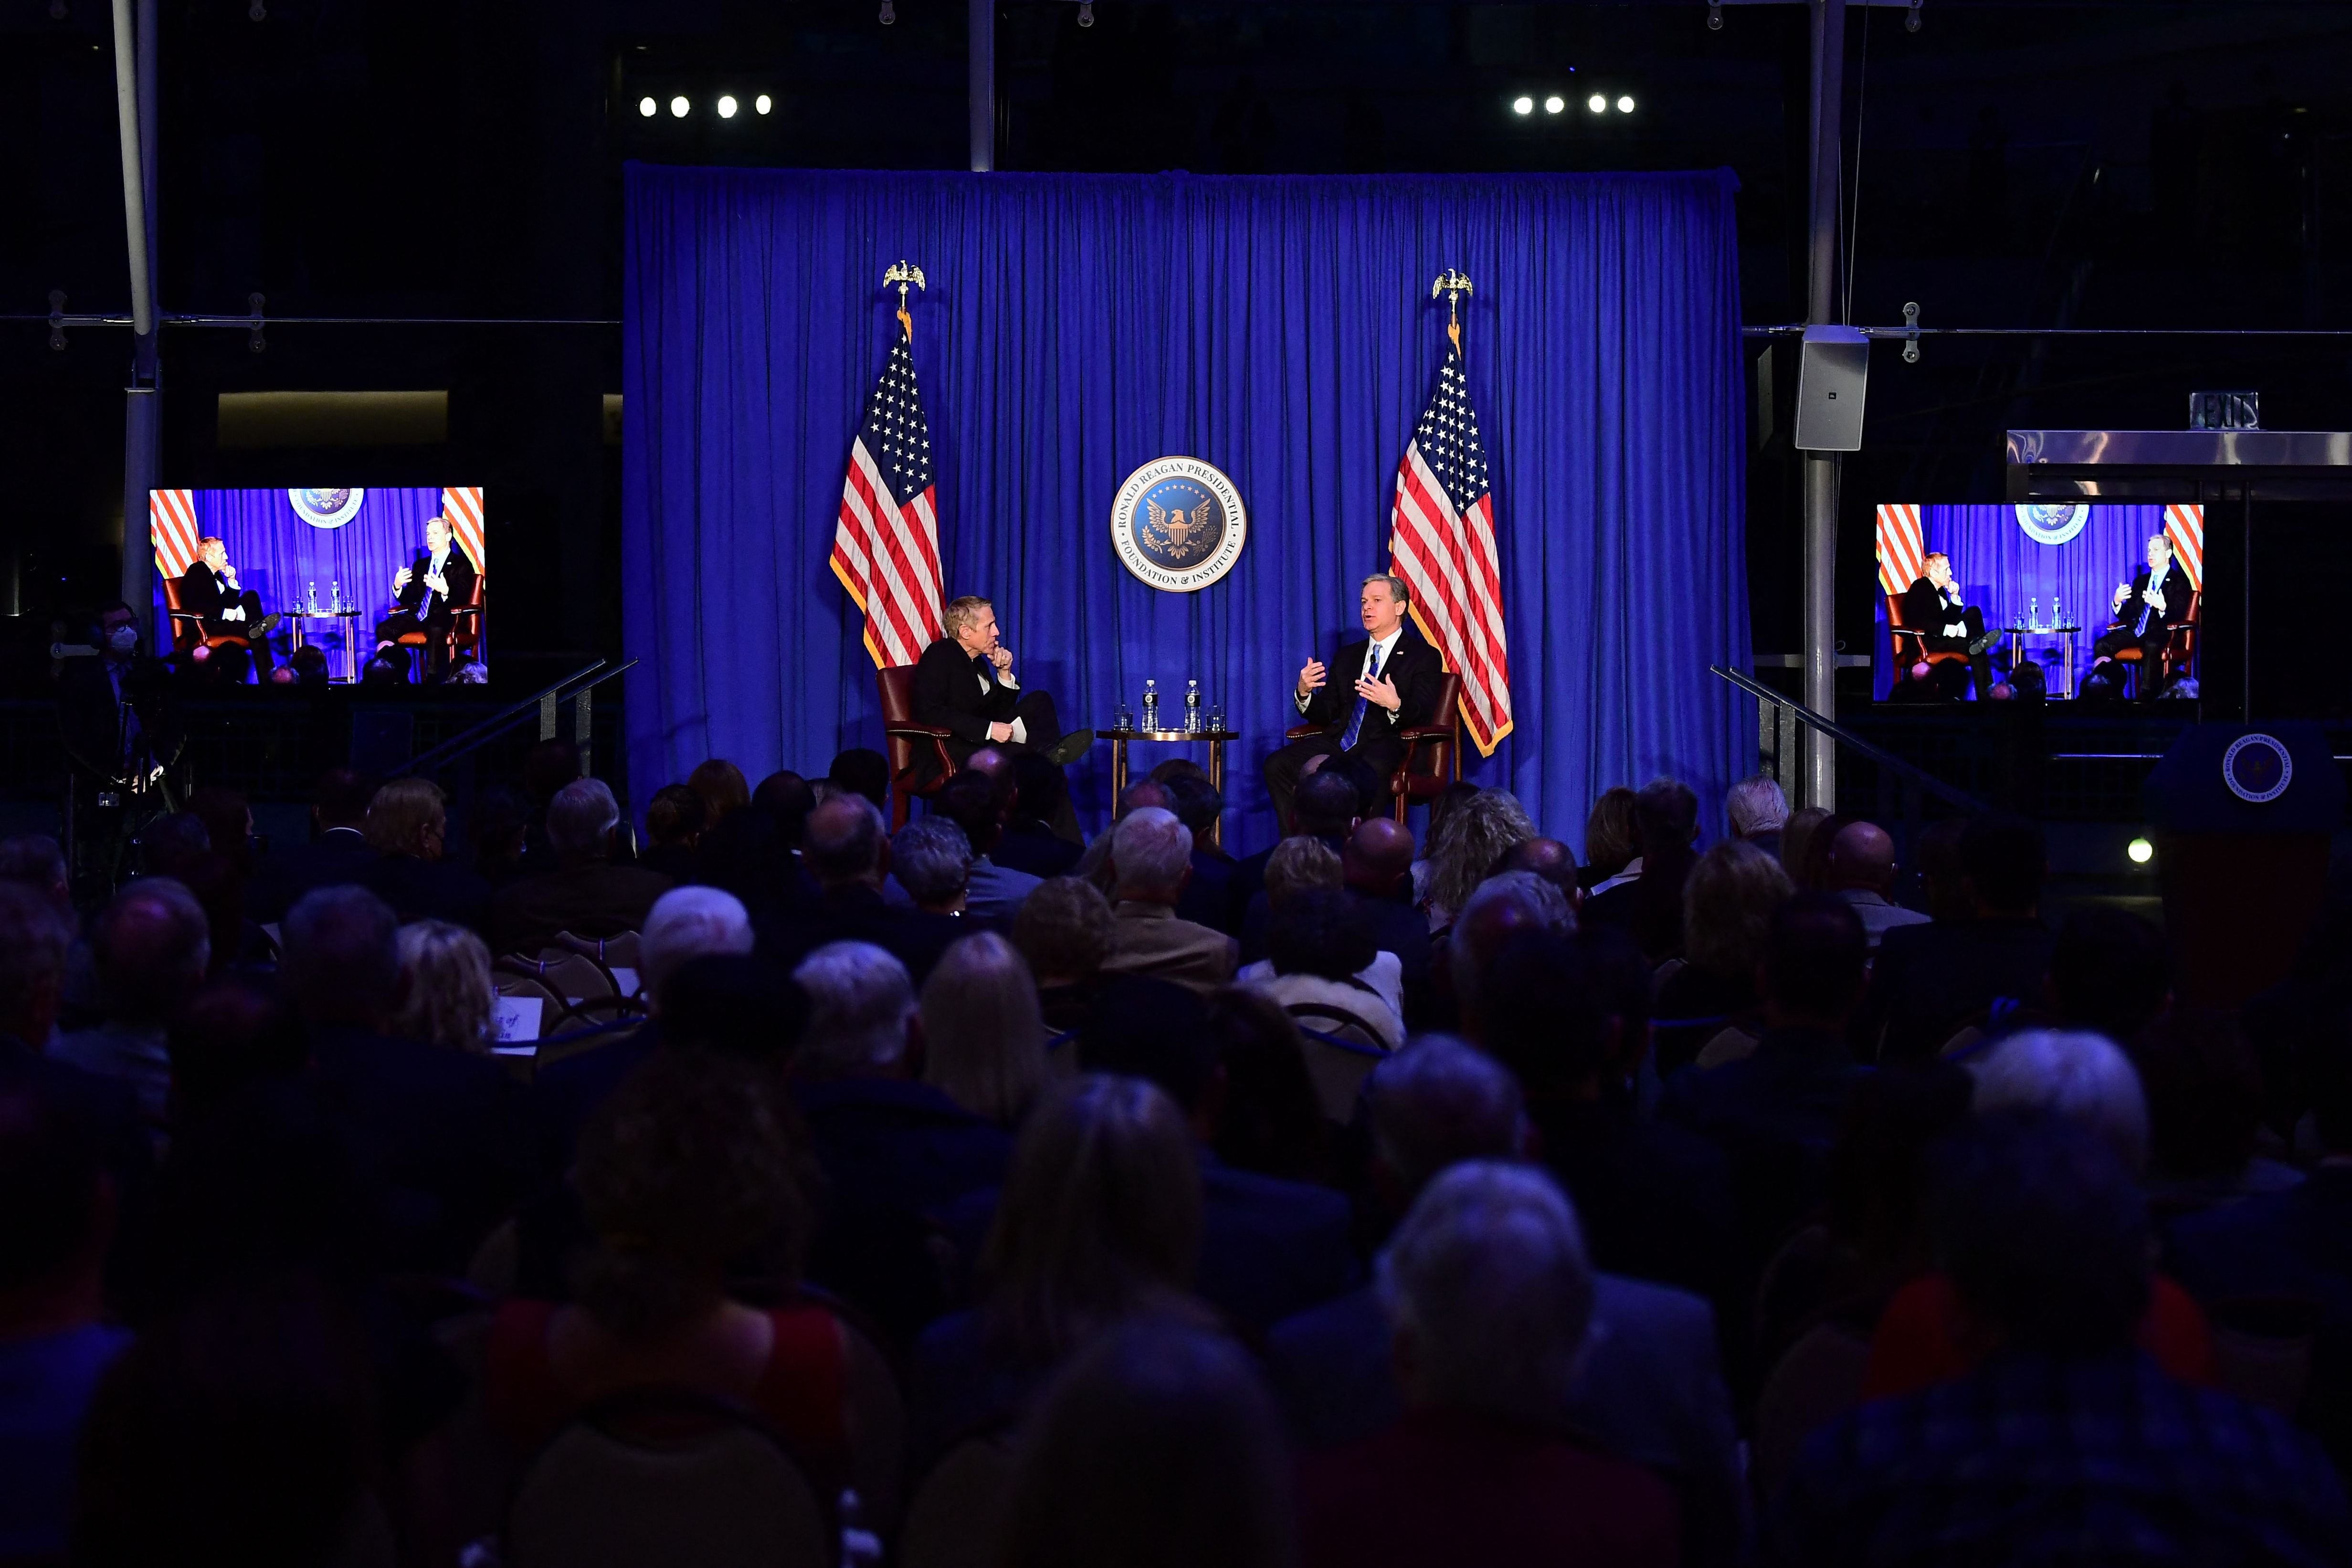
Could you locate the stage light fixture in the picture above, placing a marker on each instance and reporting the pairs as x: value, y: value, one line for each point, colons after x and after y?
x: 725, y: 106
x: 1626, y: 104
x: 1523, y: 106
x: 678, y: 106
x: 1715, y: 17
x: 1596, y: 104
x: 1086, y: 13
x: 2140, y: 851
x: 1554, y: 104
x: 890, y: 13
x: 762, y: 104
x: 647, y: 108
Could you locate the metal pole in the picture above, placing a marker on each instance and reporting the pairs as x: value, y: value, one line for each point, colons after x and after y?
x: 135, y: 115
x: 983, y: 85
x: 1821, y: 470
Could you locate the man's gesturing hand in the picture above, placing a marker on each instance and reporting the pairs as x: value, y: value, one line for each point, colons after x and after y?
x: 1381, y: 693
x: 1310, y: 676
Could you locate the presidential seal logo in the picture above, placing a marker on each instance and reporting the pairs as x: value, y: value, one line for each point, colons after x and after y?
x: 2257, y: 768
x: 1179, y: 524
x: 2053, y: 522
x: 326, y: 509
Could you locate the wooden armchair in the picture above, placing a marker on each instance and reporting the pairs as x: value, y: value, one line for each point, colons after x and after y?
x: 464, y: 636
x: 188, y: 627
x: 1909, y: 644
x: 1432, y: 751
x: 2179, y: 655
x: 911, y: 744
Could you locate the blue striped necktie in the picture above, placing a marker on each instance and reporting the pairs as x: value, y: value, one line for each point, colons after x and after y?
x: 1363, y: 705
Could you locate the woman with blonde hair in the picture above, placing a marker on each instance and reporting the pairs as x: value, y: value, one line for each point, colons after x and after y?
x: 983, y: 1041
x: 445, y: 972
x: 1475, y: 836
x: 1728, y: 905
x: 408, y: 826
x: 723, y: 789
x: 1609, y: 845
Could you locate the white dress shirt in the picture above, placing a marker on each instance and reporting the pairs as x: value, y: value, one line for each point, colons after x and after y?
x: 1004, y: 678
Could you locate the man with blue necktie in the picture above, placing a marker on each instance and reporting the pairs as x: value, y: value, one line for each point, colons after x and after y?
x: 426, y: 589
x: 1392, y: 686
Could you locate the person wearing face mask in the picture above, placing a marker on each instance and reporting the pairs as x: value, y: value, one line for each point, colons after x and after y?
x: 211, y: 590
x: 114, y: 711
x: 426, y: 588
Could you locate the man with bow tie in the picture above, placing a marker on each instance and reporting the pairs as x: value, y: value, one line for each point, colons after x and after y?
x: 964, y: 684
x: 438, y: 577
x: 1948, y: 623
x: 1392, y: 681
x: 211, y: 590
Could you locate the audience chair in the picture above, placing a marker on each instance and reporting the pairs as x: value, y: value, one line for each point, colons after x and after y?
x: 617, y: 954
x: 877, y: 1413
x: 575, y: 976
x: 2262, y: 1348
x: 464, y: 635
x: 957, y: 1520
x: 1433, y: 752
x: 188, y: 627
x: 1909, y: 645
x: 668, y: 1475
x: 911, y: 744
x: 1339, y: 1061
x: 2179, y: 655
x: 523, y: 984
x: 1819, y: 1379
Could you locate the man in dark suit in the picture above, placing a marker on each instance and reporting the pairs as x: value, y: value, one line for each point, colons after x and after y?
x: 2143, y: 607
x: 426, y: 588
x: 340, y: 853
x: 210, y: 590
x: 586, y: 894
x: 1392, y: 683
x: 1931, y: 979
x: 116, y: 713
x: 847, y: 850
x: 1934, y: 607
x: 964, y: 684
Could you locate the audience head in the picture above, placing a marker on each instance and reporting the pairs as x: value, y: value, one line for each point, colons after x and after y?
x: 2081, y: 1078
x: 447, y: 995
x: 1797, y: 840
x: 1665, y: 818
x: 1100, y: 1217
x: 34, y: 936
x: 341, y: 962
x: 228, y: 818
x: 2109, y: 972
x: 976, y: 803
x: 1755, y: 806
x: 1157, y: 1030
x: 1542, y: 1016
x: 685, y: 924
x: 35, y: 860
x: 409, y: 818
x: 1156, y: 1447
x: 2043, y: 1234
x: 153, y: 945
x: 2001, y: 864
x: 342, y: 799
x: 693, y: 1164
x: 233, y: 1034
x: 1488, y: 1293
x: 1379, y: 857
x: 983, y: 1043
x: 1728, y: 905
x: 1942, y: 880
x: 580, y: 821
x: 1066, y: 929
x: 862, y: 771
x: 932, y: 860
x: 1480, y: 829
x: 722, y: 787
x: 734, y: 1004
x: 1815, y: 959
x: 169, y: 846
x: 674, y: 816
x: 844, y: 843
x: 1300, y: 864
x: 1498, y: 911
x: 1152, y: 854
x: 55, y: 1208
x: 1327, y: 804
x: 1862, y: 859
x: 1449, y: 801
x: 1321, y: 933
x: 496, y: 826
x: 548, y: 766
x: 2204, y: 1090
x: 1548, y: 858
x: 1609, y: 844
x: 1039, y: 787
x: 1269, y: 1116
x: 861, y: 1004
x: 1141, y: 795
x: 1196, y: 803
x: 995, y: 762
x: 1178, y: 767
x: 1438, y: 1102
x: 1813, y: 875
x: 787, y: 799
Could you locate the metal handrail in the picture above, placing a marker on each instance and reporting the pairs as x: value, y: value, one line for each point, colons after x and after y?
x: 1844, y: 736
x: 457, y: 745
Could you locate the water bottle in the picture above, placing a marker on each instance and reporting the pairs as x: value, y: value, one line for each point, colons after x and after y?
x: 2057, y: 616
x: 2033, y: 615
x: 336, y: 607
x: 1151, y: 704
x: 1192, y: 707
x: 313, y: 601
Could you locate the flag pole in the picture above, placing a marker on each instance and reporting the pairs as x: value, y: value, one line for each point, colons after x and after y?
x: 902, y: 275
x: 1454, y: 285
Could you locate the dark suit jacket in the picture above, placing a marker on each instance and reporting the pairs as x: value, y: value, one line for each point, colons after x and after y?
x: 1033, y: 847
x: 1924, y: 612
x: 2176, y: 590
x: 1209, y: 895
x: 1929, y: 978
x: 1413, y: 666
x: 858, y: 913
x: 433, y: 890
x: 89, y: 711
x: 948, y: 692
x: 282, y: 877
x: 201, y: 592
x: 600, y: 899
x: 1655, y: 1200
x: 427, y: 605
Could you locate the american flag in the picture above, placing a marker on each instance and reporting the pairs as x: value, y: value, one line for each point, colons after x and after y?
x: 172, y: 526
x: 1441, y: 542
x: 2185, y: 527
x: 887, y: 548
x: 462, y: 505
x: 1902, y: 551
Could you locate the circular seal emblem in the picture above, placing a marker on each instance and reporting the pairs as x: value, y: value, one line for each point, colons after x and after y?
x: 2257, y: 768
x: 326, y: 509
x: 1179, y: 524
x: 2053, y: 522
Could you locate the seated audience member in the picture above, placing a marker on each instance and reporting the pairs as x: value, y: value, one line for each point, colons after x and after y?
x: 1797, y: 840
x: 1377, y: 866
x: 2063, y: 1444
x: 1326, y: 970
x: 1067, y: 931
x: 152, y: 946
x: 547, y: 767
x: 1156, y: 1445
x: 1755, y: 810
x: 1776, y: 1111
x: 1488, y: 1296
x: 930, y: 862
x: 228, y: 818
x: 675, y: 819
x: 586, y: 894
x: 233, y: 1034
x: 446, y: 991
x: 788, y: 799
x: 439, y: 1129
x: 37, y: 862
x: 1040, y: 795
x: 974, y: 802
x: 496, y: 829
x: 1707, y: 1008
x: 983, y: 1043
x: 1609, y: 842
x: 1654, y: 1396
x: 1930, y: 981
x: 1270, y: 1115
x: 895, y: 1150
x: 1327, y: 805
x: 1548, y: 859
x: 848, y: 852
x: 1296, y: 863
x: 34, y: 939
x: 57, y: 1218
x: 1500, y: 909
x: 339, y: 850
x: 2204, y: 1094
x: 1943, y: 876
x: 1861, y: 872
x: 1209, y: 895
x: 1811, y: 872
x: 1646, y: 899
x: 407, y: 825
x: 865, y: 773
x: 693, y: 1171
x: 1269, y: 1247
x: 1151, y: 858
x: 722, y: 787
x: 1464, y: 848
x: 754, y: 854
x: 2109, y: 973
x: 1100, y: 1222
x: 1095, y: 864
x: 169, y: 845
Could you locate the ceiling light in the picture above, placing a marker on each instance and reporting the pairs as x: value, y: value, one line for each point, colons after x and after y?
x: 1554, y: 104
x: 762, y: 104
x: 1626, y: 104
x: 647, y: 108
x: 678, y: 106
x: 725, y: 106
x: 2140, y: 851
x: 1596, y: 104
x: 1523, y: 106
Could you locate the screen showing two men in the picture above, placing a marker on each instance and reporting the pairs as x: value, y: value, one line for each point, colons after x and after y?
x: 322, y: 584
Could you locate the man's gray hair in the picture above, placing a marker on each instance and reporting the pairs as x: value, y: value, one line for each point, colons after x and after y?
x: 2161, y: 539
x: 932, y: 860
x: 1439, y: 1101
x: 1754, y: 805
x: 1150, y: 849
x: 580, y: 819
x: 860, y: 999
x: 844, y: 837
x: 153, y: 945
x: 1488, y: 1278
x: 342, y: 958
x: 1481, y: 927
x: 2083, y: 1077
x: 685, y: 922
x: 1398, y: 588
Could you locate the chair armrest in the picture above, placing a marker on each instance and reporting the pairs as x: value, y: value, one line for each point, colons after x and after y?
x: 1301, y: 731
x: 1419, y: 732
x: 919, y: 731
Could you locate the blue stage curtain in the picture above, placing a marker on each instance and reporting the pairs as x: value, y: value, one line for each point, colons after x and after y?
x: 2003, y: 569
x: 1077, y: 327
x: 279, y: 556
